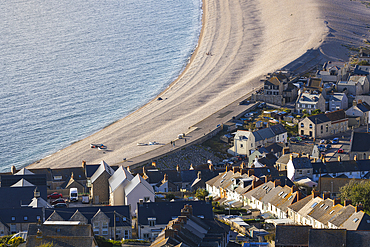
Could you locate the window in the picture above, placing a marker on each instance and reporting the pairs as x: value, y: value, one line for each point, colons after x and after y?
x: 38, y: 217
x: 25, y: 218
x: 326, y: 207
x: 302, y: 125
x: 355, y: 220
x: 241, y: 145
x: 322, y: 205
x: 13, y: 218
x: 322, y: 129
x: 151, y: 221
x: 310, y: 126
x: 13, y: 228
x: 281, y: 193
x: 332, y: 211
x: 96, y: 228
x: 146, y: 199
x: 290, y: 197
x: 127, y: 234
x: 146, y: 235
x: 327, y: 128
x: 105, y: 228
x: 314, y: 204
x: 302, y: 132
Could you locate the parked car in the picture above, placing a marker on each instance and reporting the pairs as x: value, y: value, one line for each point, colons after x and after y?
x: 323, y: 141
x: 322, y: 148
x: 59, y: 200
x: 328, y: 146
x: 55, y: 195
x: 295, y: 139
x: 335, y: 141
x: 304, y: 137
x: 60, y: 205
x: 340, y: 151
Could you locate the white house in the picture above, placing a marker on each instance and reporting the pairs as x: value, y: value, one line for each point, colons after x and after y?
x: 299, y: 167
x: 246, y: 141
x: 117, y: 183
x: 138, y: 188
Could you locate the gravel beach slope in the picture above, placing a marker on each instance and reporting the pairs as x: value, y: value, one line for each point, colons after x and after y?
x: 244, y: 40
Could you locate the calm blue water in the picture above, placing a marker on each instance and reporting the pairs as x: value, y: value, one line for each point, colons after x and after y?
x: 70, y: 68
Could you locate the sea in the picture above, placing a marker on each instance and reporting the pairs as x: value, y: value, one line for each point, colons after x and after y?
x: 70, y: 68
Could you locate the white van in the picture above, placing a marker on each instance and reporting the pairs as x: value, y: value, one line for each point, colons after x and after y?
x: 73, y: 194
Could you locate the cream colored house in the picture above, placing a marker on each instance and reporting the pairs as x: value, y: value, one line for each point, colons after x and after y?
x: 310, y: 102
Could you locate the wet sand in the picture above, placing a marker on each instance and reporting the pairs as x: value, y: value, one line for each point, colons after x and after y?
x: 244, y: 40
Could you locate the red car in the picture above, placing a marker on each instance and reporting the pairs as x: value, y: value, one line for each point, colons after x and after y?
x: 55, y: 195
x: 59, y: 200
x: 340, y: 151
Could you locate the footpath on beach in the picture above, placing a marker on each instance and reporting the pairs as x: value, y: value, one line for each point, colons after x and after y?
x: 240, y: 42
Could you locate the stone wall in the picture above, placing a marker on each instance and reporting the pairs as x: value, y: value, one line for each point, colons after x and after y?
x: 272, y: 99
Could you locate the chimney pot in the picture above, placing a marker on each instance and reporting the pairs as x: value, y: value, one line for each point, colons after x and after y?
x: 336, y: 201
x: 347, y: 202
x: 359, y: 207
x: 325, y: 195
x: 250, y: 172
x: 277, y: 182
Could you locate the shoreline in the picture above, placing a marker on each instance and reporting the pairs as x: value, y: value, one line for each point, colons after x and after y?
x: 245, y: 44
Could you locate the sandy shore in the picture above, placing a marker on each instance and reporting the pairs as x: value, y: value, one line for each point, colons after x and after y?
x: 247, y: 39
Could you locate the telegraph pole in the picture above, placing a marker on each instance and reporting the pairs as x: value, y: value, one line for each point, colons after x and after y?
x: 114, y: 220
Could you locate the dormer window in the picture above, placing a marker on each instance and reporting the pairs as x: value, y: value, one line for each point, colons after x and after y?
x: 151, y: 222
x: 13, y: 218
x: 25, y: 218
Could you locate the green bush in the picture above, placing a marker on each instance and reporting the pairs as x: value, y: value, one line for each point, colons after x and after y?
x: 127, y: 241
x: 15, y: 241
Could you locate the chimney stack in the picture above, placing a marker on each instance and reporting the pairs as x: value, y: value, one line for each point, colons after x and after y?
x: 178, y: 168
x: 250, y: 172
x: 199, y: 175
x: 277, y: 182
x: 165, y: 178
x: 154, y: 164
x: 13, y: 170
x: 291, y: 157
x: 293, y: 189
x: 336, y: 201
x: 325, y: 195
x: 128, y: 169
x: 354, y: 103
x: 187, y: 210
x: 242, y: 165
x: 84, y: 165
x: 211, y: 167
x: 315, y: 194
x: 169, y: 233
x: 347, y: 202
x: 285, y: 150
x: 191, y: 167
x: 359, y: 207
x: 235, y: 169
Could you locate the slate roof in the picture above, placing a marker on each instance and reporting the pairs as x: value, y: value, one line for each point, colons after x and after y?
x: 327, y: 237
x: 278, y: 129
x: 61, y: 235
x: 292, y: 235
x: 165, y: 211
x: 325, y: 210
x: 121, y: 175
x: 336, y: 115
x: 263, y: 134
x: 31, y: 214
x: 336, y: 97
x: 89, y: 212
x: 14, y: 197
x: 22, y: 183
x: 360, y: 142
x: 358, y: 238
x: 275, y: 148
x: 104, y: 167
x: 364, y: 107
x: 341, y: 166
x: 319, y: 118
x: 36, y: 179
x: 284, y: 159
x: 358, y: 79
x: 302, y: 163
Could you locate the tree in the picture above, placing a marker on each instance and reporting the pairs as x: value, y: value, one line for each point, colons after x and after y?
x: 357, y: 192
x: 363, y: 62
x: 201, y: 193
x: 317, y: 111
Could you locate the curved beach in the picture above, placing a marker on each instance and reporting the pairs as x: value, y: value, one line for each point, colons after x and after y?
x: 241, y: 40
